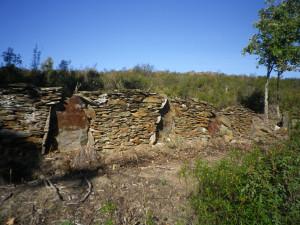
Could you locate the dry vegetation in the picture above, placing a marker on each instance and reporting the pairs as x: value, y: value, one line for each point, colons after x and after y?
x: 219, y: 89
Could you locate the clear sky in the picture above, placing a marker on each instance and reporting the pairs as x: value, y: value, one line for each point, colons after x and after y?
x: 175, y: 35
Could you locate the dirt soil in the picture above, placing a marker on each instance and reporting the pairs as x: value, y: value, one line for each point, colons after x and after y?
x: 148, y: 191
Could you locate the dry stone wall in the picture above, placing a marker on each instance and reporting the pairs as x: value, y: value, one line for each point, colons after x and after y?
x: 124, y: 119
x: 238, y: 124
x: 238, y: 119
x: 92, y: 124
x: 191, y: 117
x: 115, y: 120
x: 24, y: 111
x: 112, y: 121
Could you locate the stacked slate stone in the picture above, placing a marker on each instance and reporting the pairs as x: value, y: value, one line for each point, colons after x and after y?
x: 240, y: 119
x: 24, y: 110
x: 124, y: 119
x: 192, y: 117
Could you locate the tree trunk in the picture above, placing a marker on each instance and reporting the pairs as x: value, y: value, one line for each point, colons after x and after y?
x: 279, y: 73
x: 266, y: 107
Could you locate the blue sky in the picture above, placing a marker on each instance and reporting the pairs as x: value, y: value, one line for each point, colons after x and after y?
x: 175, y: 35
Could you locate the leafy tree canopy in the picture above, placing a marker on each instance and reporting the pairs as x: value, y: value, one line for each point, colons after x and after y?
x: 277, y: 43
x: 10, y: 58
x: 47, y: 65
x: 64, y: 65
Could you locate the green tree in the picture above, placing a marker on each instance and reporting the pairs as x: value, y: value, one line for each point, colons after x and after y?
x: 145, y: 69
x: 286, y: 24
x: 47, y: 69
x: 10, y: 58
x: 64, y: 65
x: 47, y: 65
x: 277, y: 42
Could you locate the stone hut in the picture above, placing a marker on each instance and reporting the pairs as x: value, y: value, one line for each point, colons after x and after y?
x: 24, y: 128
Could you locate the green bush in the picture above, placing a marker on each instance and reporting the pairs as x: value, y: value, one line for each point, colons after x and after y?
x: 258, y: 187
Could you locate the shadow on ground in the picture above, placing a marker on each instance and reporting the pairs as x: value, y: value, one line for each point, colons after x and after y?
x: 19, y: 156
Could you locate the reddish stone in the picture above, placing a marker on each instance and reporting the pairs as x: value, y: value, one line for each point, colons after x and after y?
x: 73, y: 117
x: 213, y: 127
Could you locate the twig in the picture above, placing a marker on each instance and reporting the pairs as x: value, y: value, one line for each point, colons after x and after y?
x: 6, y: 197
x: 55, y: 189
x: 89, y: 191
x: 164, y: 168
x: 90, y: 187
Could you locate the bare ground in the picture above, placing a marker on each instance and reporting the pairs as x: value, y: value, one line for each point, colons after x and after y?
x: 142, y: 186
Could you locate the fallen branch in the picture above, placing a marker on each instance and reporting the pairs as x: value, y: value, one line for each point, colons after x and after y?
x: 89, y: 191
x: 90, y: 187
x: 6, y: 198
x: 50, y: 184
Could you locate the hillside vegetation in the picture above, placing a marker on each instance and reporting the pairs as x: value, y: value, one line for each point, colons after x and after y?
x: 219, y: 89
